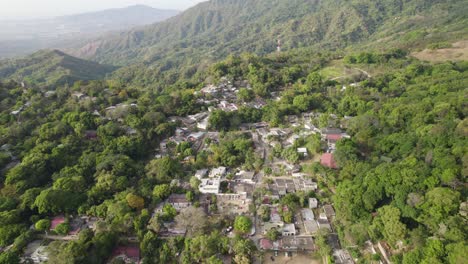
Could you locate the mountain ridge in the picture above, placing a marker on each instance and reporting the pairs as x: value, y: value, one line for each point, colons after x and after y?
x: 22, y: 36
x: 212, y: 30
x: 52, y: 67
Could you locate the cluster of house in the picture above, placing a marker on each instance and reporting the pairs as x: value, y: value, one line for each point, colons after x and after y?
x: 224, y: 96
x: 331, y: 136
x: 37, y: 251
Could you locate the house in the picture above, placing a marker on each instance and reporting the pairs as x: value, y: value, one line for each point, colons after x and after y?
x: 218, y: 172
x: 129, y: 254
x: 203, y: 124
x: 302, y: 152
x: 324, y: 224
x: 210, y: 185
x: 245, y: 177
x: 311, y: 227
x: 78, y: 95
x: 178, y: 201
x: 194, y: 137
x: 200, y: 174
x: 329, y: 211
x: 288, y: 230
x: 233, y: 203
x: 296, y: 243
x: 199, y: 116
x: 313, y: 203
x: 328, y: 161
x: 36, y: 252
x: 163, y: 145
x: 307, y: 215
x: 49, y: 94
x: 56, y: 221
x: 342, y: 256
x: 305, y: 185
x: 181, y: 131
x: 40, y: 255
x: 159, y: 209
x: 285, y: 186
x: 265, y: 244
x: 275, y: 217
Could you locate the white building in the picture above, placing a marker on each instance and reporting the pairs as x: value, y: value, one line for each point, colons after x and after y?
x: 289, y: 230
x: 200, y: 174
x: 313, y: 203
x: 203, y: 124
x: 302, y: 151
x: 210, y: 185
x: 245, y: 177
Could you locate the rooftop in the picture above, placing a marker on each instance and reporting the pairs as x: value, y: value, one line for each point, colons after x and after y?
x: 328, y: 161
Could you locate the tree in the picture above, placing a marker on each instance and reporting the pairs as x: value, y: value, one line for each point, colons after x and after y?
x: 169, y: 212
x: 57, y: 201
x: 242, y: 224
x: 62, y: 229
x: 388, y: 224
x: 457, y: 253
x: 135, y: 201
x: 194, y: 183
x: 9, y: 257
x: 273, y: 234
x: 163, y: 170
x: 192, y: 219
x: 42, y: 225
x: 438, y: 205
x: 314, y: 81
x: 245, y: 95
x: 162, y: 191
x: 321, y: 241
x: 301, y: 102
x: 189, y: 196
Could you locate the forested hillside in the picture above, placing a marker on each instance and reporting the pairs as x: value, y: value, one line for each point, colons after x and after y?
x: 185, y: 44
x: 51, y: 67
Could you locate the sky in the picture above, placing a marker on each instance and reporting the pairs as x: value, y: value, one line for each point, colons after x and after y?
x: 27, y: 9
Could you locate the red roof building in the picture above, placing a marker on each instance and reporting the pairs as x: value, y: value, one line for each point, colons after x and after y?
x: 127, y: 253
x: 328, y: 161
x: 334, y: 137
x: 266, y: 244
x: 56, y: 221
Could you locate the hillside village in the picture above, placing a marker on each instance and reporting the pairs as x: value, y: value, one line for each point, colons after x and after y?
x: 265, y: 195
x: 261, y: 179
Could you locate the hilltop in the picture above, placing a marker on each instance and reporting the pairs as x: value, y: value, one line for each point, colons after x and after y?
x: 52, y: 67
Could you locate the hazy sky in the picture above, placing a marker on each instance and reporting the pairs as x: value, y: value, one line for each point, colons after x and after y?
x: 21, y: 9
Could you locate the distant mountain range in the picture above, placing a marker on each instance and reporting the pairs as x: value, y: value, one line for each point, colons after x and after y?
x: 25, y: 36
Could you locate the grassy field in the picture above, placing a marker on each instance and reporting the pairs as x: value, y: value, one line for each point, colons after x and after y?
x: 458, y: 51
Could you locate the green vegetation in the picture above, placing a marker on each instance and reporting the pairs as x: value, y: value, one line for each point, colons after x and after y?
x: 242, y: 224
x: 52, y: 68
x: 402, y: 173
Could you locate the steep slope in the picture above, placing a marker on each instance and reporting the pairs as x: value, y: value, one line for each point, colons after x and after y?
x: 52, y: 67
x: 224, y: 26
x: 214, y: 29
x: 22, y: 37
